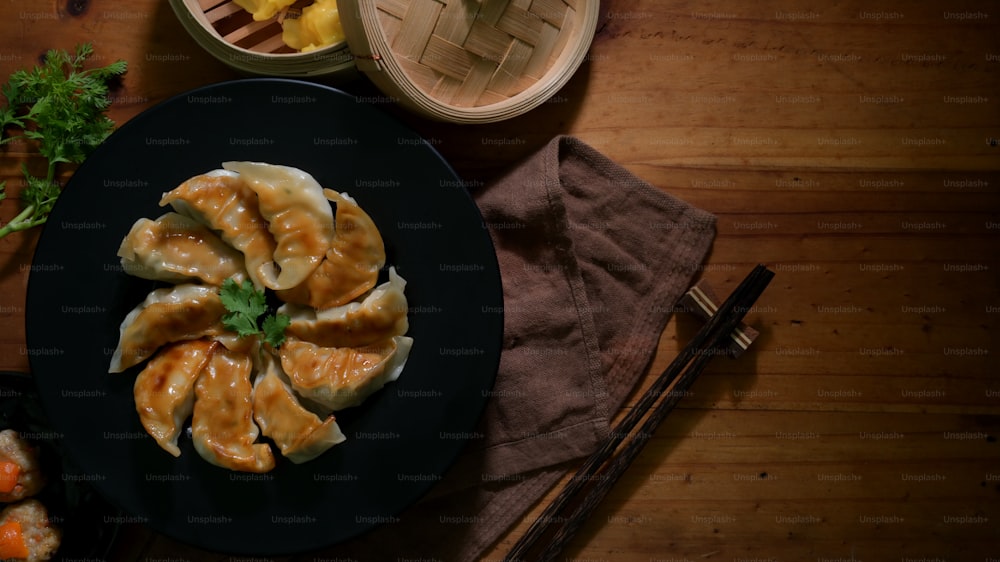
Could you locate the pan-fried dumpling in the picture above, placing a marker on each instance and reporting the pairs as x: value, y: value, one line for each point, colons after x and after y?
x: 177, y: 249
x: 341, y: 377
x: 298, y: 216
x: 182, y: 312
x: 380, y: 315
x: 351, y: 265
x: 300, y: 434
x: 222, y: 426
x: 164, y: 389
x: 221, y: 200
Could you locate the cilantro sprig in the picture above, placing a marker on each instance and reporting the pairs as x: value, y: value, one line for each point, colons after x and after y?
x: 244, y: 306
x: 62, y: 108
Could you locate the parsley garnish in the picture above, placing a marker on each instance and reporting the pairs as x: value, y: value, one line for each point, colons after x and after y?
x: 274, y: 328
x: 61, y: 107
x: 244, y: 305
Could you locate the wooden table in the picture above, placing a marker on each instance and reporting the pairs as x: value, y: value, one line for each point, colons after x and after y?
x: 852, y: 146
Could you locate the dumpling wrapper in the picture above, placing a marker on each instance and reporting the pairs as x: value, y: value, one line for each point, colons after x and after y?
x: 299, y: 433
x: 342, y: 377
x: 222, y: 426
x: 297, y: 214
x: 380, y: 315
x: 182, y: 312
x: 351, y: 265
x: 222, y: 201
x: 178, y: 249
x: 164, y: 390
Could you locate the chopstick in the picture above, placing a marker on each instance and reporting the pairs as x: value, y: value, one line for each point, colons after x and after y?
x: 705, y: 344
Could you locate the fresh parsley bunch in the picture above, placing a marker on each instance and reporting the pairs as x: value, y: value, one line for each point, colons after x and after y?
x: 244, y: 305
x: 62, y: 107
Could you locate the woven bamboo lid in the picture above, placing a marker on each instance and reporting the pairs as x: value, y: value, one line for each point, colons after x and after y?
x: 469, y: 61
x: 464, y: 61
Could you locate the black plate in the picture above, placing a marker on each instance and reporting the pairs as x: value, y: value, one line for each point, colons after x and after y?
x: 399, y: 442
x: 88, y: 523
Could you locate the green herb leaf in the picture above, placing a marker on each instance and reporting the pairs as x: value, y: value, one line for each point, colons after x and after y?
x: 244, y: 305
x: 61, y: 106
x: 274, y: 328
x: 243, y: 298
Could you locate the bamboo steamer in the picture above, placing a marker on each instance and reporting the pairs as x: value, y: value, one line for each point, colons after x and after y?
x: 229, y: 33
x: 463, y: 61
x: 466, y: 60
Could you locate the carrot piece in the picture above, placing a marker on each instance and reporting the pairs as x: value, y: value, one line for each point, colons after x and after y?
x: 9, y: 472
x: 12, y: 541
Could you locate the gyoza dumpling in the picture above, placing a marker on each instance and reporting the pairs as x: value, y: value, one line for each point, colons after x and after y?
x: 222, y: 426
x: 182, y: 312
x: 176, y: 249
x: 300, y: 434
x: 164, y: 389
x: 380, y: 315
x: 221, y: 200
x: 351, y: 265
x: 341, y: 377
x: 298, y: 216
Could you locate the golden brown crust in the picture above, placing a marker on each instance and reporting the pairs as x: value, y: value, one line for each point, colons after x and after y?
x: 225, y: 203
x: 164, y: 390
x: 341, y: 377
x: 222, y: 425
x: 351, y: 266
x: 299, y: 433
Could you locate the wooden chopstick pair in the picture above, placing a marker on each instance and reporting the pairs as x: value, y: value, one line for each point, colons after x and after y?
x: 680, y: 374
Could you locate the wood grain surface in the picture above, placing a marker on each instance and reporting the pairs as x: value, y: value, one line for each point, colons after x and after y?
x: 852, y: 146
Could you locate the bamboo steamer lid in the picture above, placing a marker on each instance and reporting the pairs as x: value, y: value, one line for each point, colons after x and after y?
x: 469, y: 61
x: 463, y: 61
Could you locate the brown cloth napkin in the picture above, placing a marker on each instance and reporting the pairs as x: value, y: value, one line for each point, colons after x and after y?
x: 593, y: 261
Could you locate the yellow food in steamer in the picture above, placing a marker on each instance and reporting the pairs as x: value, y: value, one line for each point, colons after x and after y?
x: 317, y: 27
x: 263, y: 9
